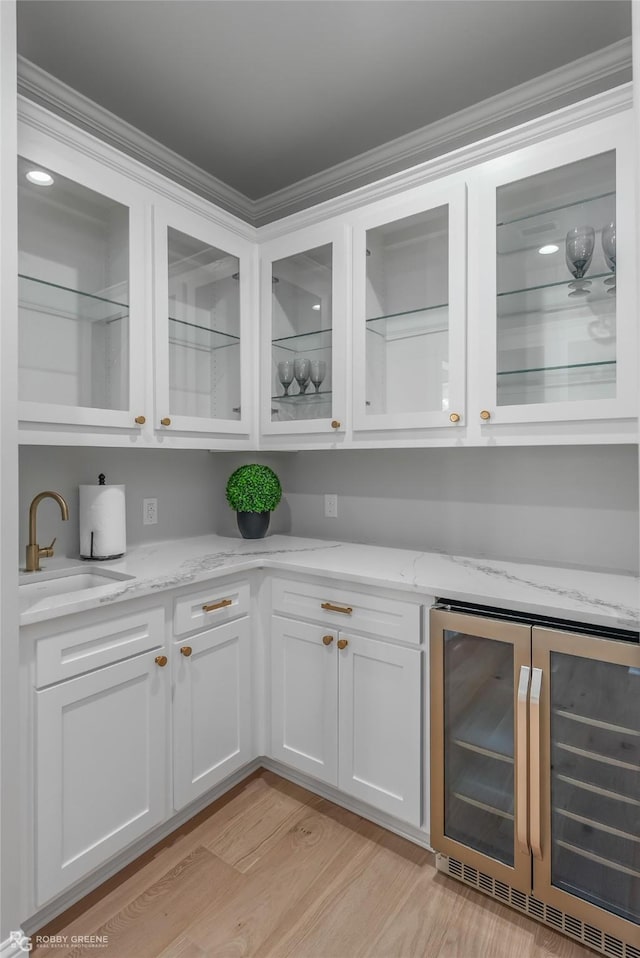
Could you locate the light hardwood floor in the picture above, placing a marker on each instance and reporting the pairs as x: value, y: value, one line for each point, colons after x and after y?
x: 271, y: 870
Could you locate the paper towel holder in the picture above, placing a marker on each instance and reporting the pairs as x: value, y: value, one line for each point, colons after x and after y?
x: 88, y: 536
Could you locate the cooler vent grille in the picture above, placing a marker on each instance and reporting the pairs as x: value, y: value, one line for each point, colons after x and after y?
x: 586, y: 934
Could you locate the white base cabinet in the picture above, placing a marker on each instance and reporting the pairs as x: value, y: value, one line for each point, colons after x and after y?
x: 211, y: 709
x: 101, y: 768
x: 346, y: 710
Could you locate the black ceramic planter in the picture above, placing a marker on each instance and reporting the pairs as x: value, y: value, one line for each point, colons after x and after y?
x: 253, y: 525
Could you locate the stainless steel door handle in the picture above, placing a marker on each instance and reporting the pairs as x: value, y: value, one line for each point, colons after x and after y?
x: 535, y: 829
x: 522, y: 761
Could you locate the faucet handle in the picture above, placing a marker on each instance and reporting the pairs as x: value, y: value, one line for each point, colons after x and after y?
x: 47, y: 552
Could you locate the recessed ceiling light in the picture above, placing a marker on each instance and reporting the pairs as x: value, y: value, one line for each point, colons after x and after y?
x: 316, y: 306
x: 39, y: 177
x: 550, y: 248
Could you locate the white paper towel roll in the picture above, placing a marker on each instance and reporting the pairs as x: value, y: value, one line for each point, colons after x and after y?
x: 103, y: 532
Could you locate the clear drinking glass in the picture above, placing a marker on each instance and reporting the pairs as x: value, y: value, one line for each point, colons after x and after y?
x: 579, y: 245
x: 285, y: 374
x: 609, y: 250
x: 301, y: 370
x: 318, y: 372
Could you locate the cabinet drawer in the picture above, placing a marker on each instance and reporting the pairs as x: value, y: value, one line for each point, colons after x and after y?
x: 340, y: 608
x: 75, y: 651
x: 207, y: 607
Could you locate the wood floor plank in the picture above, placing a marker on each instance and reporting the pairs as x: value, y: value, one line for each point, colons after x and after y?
x: 347, y: 912
x: 182, y: 947
x: 258, y: 826
x: 324, y: 839
x: 154, y: 919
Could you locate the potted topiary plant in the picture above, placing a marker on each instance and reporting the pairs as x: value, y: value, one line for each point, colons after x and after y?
x: 253, y: 491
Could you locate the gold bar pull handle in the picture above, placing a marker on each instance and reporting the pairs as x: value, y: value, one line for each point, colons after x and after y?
x: 522, y: 761
x: 330, y: 607
x: 217, y: 605
x: 535, y: 834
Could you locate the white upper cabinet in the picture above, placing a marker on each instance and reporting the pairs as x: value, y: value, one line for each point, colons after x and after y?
x: 81, y: 263
x: 552, y: 318
x: 203, y: 279
x: 304, y: 342
x: 409, y: 310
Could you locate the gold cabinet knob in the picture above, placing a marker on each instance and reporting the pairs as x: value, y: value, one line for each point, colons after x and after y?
x: 327, y: 639
x: 342, y: 643
x: 161, y: 660
x: 454, y: 417
x: 335, y: 424
x: 186, y: 650
x: 485, y: 414
x: 140, y: 420
x: 165, y: 422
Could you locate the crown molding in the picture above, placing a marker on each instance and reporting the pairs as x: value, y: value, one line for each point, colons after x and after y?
x: 46, y: 90
x: 596, y: 108
x: 568, y: 84
x: 552, y: 91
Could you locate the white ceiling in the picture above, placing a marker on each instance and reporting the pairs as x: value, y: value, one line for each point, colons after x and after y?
x: 263, y: 93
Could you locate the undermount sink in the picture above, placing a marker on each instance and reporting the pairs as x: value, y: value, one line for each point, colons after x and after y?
x: 36, y: 586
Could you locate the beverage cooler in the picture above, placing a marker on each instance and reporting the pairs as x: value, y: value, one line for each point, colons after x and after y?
x: 535, y: 768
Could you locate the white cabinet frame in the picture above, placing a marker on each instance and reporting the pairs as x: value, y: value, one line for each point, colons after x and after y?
x: 450, y: 192
x: 165, y: 216
x: 612, y: 133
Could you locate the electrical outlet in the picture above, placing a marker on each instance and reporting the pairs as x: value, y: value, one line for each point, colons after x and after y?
x: 331, y: 507
x: 149, y: 512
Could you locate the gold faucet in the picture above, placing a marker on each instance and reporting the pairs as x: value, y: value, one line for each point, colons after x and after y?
x: 34, y: 552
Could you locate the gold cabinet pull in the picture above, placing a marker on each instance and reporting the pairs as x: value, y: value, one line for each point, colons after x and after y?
x: 161, y: 660
x: 485, y: 414
x: 342, y: 643
x: 330, y: 607
x: 186, y: 650
x: 335, y: 423
x: 140, y: 420
x: 327, y: 639
x: 165, y: 422
x: 222, y: 604
x: 454, y: 417
x: 535, y: 825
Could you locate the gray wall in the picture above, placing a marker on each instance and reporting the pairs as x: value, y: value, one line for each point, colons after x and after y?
x: 575, y: 505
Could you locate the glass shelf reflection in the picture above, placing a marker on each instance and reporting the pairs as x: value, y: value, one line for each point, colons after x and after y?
x: 307, y: 399
x: 203, y: 337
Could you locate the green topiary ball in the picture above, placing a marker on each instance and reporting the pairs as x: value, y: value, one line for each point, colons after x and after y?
x: 253, y: 488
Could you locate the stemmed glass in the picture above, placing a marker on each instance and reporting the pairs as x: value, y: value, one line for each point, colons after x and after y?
x: 318, y: 372
x: 301, y: 369
x: 579, y: 245
x: 285, y: 374
x: 609, y: 250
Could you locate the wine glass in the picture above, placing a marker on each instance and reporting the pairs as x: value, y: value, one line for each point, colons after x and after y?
x: 285, y: 374
x: 609, y: 250
x: 301, y: 369
x: 318, y: 372
x: 579, y: 246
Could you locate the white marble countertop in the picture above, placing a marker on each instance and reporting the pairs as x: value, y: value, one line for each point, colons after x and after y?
x: 601, y: 599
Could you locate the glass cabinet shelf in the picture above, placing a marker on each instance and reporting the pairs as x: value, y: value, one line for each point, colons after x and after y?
x: 561, y: 368
x: 314, y: 339
x: 609, y: 196
x: 183, y: 333
x: 548, y: 298
x: 67, y: 303
x: 307, y: 399
x: 411, y: 322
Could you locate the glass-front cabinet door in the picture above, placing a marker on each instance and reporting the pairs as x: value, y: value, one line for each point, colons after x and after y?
x: 551, y: 302
x: 588, y: 859
x: 303, y: 311
x: 203, y: 277
x: 409, y: 311
x: 80, y: 301
x: 479, y: 684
